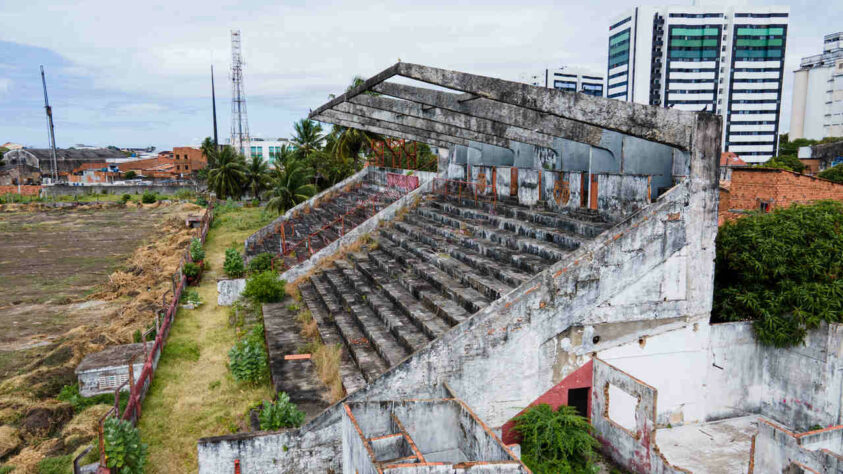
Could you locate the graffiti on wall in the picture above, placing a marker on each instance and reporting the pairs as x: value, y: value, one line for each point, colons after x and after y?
x: 394, y: 180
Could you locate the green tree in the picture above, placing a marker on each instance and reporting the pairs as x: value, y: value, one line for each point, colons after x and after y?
x: 291, y: 185
x: 227, y: 178
x: 257, y: 176
x: 834, y: 173
x: 556, y: 441
x: 781, y: 270
x: 210, y: 151
x: 3, y: 151
x: 309, y: 138
x: 785, y: 162
x: 130, y: 174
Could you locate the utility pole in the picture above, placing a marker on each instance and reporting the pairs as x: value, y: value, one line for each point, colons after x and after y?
x: 50, y: 128
x: 214, y: 107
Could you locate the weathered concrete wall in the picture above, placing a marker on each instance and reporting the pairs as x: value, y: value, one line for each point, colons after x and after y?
x: 89, y: 381
x: 229, y: 291
x: 779, y: 450
x: 632, y: 447
x: 64, y: 190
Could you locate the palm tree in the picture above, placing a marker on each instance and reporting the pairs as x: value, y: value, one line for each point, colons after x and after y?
x: 209, y: 150
x: 229, y: 175
x: 308, y: 138
x: 257, y: 176
x: 291, y: 185
x: 282, y: 156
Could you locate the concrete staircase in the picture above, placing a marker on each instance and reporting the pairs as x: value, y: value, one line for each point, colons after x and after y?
x: 445, y: 260
x: 359, y: 203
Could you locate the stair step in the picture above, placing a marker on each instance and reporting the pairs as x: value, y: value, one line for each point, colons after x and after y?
x: 404, y: 330
x: 378, y: 334
x: 360, y: 347
x: 479, y: 228
x: 352, y: 378
x: 429, y: 323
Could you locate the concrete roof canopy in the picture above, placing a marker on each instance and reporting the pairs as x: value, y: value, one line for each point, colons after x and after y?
x: 495, y: 111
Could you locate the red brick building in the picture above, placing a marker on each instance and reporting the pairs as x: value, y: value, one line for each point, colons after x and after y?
x: 188, y: 159
x: 764, y: 189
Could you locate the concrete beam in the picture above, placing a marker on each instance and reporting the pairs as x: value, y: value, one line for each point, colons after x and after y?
x: 401, y: 118
x: 345, y: 120
x: 496, y: 111
x: 453, y: 118
x: 662, y: 125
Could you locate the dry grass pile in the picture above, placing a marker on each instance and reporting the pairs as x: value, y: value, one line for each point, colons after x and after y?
x: 325, y: 358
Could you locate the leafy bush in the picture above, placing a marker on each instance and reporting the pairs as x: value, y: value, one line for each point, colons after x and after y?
x: 785, y: 162
x: 781, y: 270
x: 280, y: 414
x: 70, y: 394
x: 247, y: 359
x: 835, y: 173
x: 148, y: 197
x: 233, y: 265
x: 555, y: 441
x: 190, y: 270
x: 123, y: 447
x: 130, y: 175
x: 264, y: 287
x: 260, y: 263
x: 197, y: 253
x: 191, y: 296
x: 201, y: 201
x: 125, y: 198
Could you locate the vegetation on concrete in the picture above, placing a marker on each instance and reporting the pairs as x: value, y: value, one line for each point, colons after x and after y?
x: 282, y: 413
x: 149, y: 197
x: 264, y: 287
x: 197, y: 254
x: 260, y: 263
x: 782, y: 270
x: 233, y: 265
x: 556, y: 441
x: 787, y: 147
x: 190, y: 270
x: 834, y: 173
x: 123, y: 447
x: 248, y: 360
x: 70, y: 394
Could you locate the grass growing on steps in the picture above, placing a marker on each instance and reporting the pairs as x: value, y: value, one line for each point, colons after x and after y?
x: 193, y: 394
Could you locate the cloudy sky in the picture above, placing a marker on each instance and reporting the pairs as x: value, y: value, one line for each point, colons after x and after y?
x: 137, y: 73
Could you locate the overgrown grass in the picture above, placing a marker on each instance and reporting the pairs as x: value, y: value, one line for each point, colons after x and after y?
x: 325, y: 358
x: 200, y: 393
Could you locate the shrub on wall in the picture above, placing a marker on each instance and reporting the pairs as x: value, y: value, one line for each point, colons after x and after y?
x: 281, y: 413
x: 190, y: 270
x: 233, y: 265
x: 260, y: 263
x: 247, y: 360
x: 123, y: 447
x: 264, y: 287
x: 834, y: 173
x: 781, y: 270
x: 556, y: 441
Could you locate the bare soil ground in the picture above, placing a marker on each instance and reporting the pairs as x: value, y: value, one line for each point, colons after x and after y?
x: 50, y: 260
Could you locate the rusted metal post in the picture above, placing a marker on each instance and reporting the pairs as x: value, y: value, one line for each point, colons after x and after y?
x: 342, y: 225
x: 236, y: 466
x: 283, y: 239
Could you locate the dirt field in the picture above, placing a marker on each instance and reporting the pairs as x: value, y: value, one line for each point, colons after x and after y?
x: 53, y: 259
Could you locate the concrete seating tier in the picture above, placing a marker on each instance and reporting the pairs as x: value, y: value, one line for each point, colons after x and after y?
x: 443, y: 261
x: 357, y: 204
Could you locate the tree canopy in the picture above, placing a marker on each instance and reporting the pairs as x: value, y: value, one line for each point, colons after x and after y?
x: 781, y: 270
x: 834, y: 173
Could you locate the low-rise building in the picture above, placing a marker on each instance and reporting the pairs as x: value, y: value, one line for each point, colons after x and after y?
x: 188, y: 159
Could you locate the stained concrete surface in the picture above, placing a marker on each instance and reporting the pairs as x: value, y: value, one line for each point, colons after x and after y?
x: 716, y: 447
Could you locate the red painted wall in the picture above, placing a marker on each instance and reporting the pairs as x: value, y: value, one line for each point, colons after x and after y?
x: 558, y: 395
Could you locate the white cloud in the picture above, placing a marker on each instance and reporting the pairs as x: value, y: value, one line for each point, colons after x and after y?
x: 5, y: 84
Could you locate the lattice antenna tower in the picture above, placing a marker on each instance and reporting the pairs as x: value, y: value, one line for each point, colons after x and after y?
x: 239, y: 119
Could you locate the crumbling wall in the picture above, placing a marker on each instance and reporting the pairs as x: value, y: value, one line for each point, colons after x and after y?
x: 635, y: 446
x: 776, y: 449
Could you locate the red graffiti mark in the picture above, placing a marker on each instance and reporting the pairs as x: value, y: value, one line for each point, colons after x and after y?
x: 394, y: 180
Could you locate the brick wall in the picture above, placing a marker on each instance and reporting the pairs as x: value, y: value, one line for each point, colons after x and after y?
x: 189, y: 158
x: 145, y: 163
x: 24, y: 190
x: 752, y: 189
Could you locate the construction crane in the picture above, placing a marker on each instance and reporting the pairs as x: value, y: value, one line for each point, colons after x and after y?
x: 50, y: 128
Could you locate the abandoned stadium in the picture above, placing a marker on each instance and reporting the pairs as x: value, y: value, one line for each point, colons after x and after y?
x: 563, y: 254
